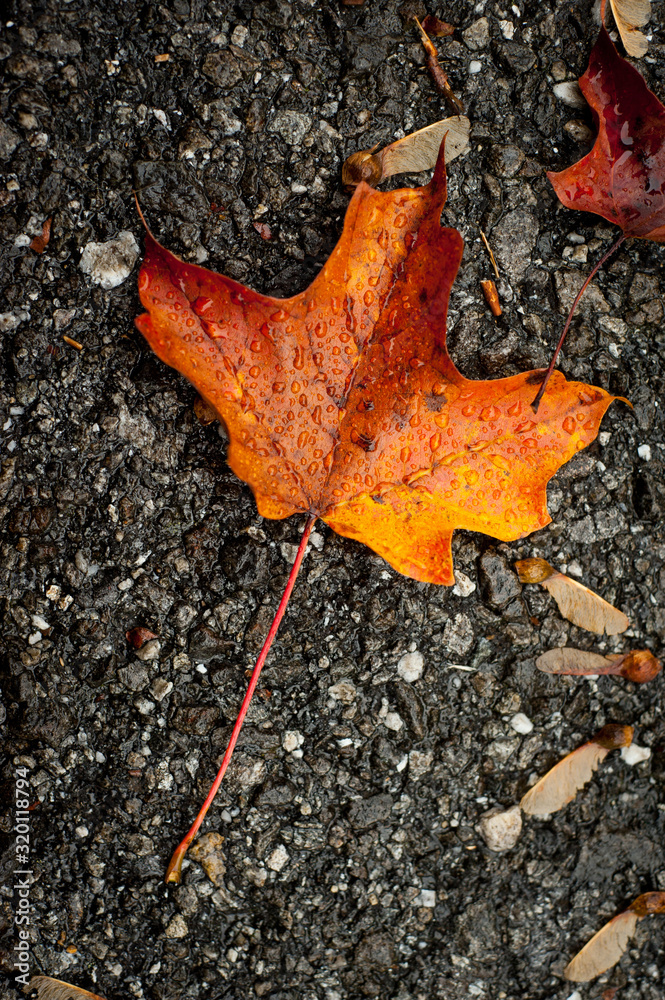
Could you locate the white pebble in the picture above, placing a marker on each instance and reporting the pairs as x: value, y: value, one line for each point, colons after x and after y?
x: 292, y: 739
x: 570, y: 93
x: 644, y: 451
x: 521, y: 723
x: 635, y: 754
x: 344, y: 691
x: 475, y: 67
x: 109, y: 264
x: 410, y: 666
x: 278, y: 859
x: 393, y: 721
x: 177, y: 928
x: 464, y: 586
x: 501, y: 829
x: 426, y: 898
x: 82, y: 831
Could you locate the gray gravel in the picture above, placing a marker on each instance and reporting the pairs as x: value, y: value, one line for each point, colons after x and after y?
x: 351, y: 863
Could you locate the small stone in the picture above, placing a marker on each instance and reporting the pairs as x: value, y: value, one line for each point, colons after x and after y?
x: 291, y: 125
x: 410, y: 666
x: 501, y: 829
x: 82, y: 831
x: 8, y: 141
x: 426, y: 898
x: 477, y: 36
x: 419, y: 763
x: 570, y: 93
x: 278, y: 859
x: 506, y: 160
x: 207, y: 851
x: 521, y: 723
x: 109, y: 264
x: 344, y: 691
x: 176, y: 928
x: 464, y: 585
x: 393, y: 721
x: 498, y: 581
x: 292, y: 740
x: 160, y: 688
x: 458, y: 636
x: 475, y: 67
x: 514, y: 238
x: 149, y: 650
x: 635, y: 754
x: 135, y: 677
x: 644, y: 451
x: 62, y: 318
x: 239, y: 35
x: 365, y: 812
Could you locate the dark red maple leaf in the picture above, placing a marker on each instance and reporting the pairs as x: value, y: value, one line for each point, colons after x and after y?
x: 623, y: 177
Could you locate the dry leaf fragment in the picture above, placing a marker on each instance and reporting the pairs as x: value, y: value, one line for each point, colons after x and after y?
x: 607, y: 946
x: 415, y: 152
x: 562, y: 783
x: 138, y: 636
x: 576, y: 602
x: 440, y: 29
x: 638, y: 665
x: 40, y: 243
x: 55, y: 989
x: 630, y: 15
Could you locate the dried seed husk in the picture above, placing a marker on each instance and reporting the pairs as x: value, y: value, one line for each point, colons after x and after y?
x: 603, y: 950
x: 56, y: 989
x: 562, y: 783
x: 576, y: 602
x: 410, y: 155
x: 629, y: 16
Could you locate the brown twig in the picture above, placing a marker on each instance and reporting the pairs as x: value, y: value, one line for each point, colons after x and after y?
x: 489, y: 250
x: 437, y: 73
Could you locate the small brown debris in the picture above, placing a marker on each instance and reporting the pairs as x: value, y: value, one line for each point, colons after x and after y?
x: 577, y: 603
x: 491, y: 296
x: 138, y: 636
x: 162, y: 57
x: 205, y: 413
x: 562, y: 783
x: 433, y: 26
x: 489, y: 250
x: 72, y: 342
x: 208, y: 852
x: 439, y: 77
x: 263, y: 229
x: 40, y: 243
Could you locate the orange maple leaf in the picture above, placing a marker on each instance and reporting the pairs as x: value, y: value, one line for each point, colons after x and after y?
x: 342, y: 402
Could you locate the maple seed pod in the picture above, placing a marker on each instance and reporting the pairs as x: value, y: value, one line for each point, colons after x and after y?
x: 629, y: 15
x: 56, y: 989
x: 639, y: 665
x: 491, y: 296
x: 607, y: 946
x: 362, y: 166
x: 562, y: 783
x: 410, y: 155
x: 614, y: 736
x: 576, y: 602
x: 534, y: 570
x: 440, y: 29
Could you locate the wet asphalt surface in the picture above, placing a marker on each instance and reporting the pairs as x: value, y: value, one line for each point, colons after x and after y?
x: 345, y: 859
